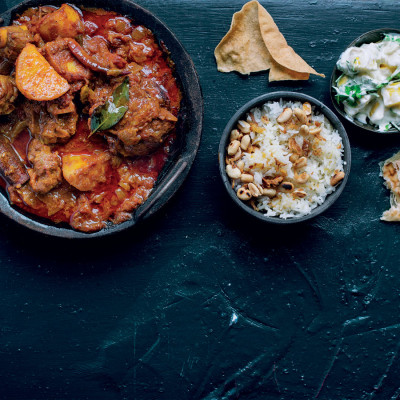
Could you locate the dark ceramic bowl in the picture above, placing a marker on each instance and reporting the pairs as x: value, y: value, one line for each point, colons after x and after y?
x: 288, y: 96
x: 189, y: 126
x: 368, y: 37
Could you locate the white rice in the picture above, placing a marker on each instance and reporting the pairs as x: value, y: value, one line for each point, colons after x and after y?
x: 272, y: 144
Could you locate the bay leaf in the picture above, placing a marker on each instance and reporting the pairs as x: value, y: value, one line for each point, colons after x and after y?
x: 111, y: 112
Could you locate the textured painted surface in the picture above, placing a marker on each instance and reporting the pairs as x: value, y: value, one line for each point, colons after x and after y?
x: 199, y: 302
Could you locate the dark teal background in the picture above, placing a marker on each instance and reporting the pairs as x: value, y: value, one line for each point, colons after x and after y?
x: 200, y: 302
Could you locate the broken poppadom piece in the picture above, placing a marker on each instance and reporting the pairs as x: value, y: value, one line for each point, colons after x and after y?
x: 390, y: 171
x: 254, y: 43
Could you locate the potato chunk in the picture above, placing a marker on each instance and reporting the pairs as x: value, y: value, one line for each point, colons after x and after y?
x: 36, y: 79
x: 3, y: 37
x: 85, y: 171
x: 64, y: 22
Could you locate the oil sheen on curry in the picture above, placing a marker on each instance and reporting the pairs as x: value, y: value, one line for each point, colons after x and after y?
x: 88, y: 108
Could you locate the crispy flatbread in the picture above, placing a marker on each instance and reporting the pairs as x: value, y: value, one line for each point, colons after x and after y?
x: 279, y: 73
x: 243, y: 49
x: 254, y: 43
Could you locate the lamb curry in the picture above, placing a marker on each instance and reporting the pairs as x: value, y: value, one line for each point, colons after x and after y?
x: 88, y: 108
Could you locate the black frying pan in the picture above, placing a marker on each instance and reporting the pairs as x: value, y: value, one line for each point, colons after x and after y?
x: 189, y: 126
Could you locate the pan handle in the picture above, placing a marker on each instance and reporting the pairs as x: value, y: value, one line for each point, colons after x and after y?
x: 147, y: 209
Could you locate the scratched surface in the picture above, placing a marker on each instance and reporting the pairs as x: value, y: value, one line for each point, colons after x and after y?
x: 199, y: 302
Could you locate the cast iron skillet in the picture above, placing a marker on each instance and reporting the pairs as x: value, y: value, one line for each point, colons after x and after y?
x: 189, y: 125
x: 286, y: 96
x: 368, y: 37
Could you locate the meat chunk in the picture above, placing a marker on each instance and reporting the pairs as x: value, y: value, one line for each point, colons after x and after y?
x: 86, y: 218
x: 62, y: 105
x: 85, y: 171
x: 12, y: 40
x: 49, y: 128
x: 97, y: 92
x: 8, y: 94
x: 11, y: 166
x: 61, y: 59
x: 60, y: 200
x: 57, y: 129
x: 146, y: 123
x: 46, y: 171
x: 97, y: 49
x: 65, y: 104
x: 24, y: 195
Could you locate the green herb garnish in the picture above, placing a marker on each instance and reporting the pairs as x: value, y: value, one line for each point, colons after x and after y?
x: 389, y: 38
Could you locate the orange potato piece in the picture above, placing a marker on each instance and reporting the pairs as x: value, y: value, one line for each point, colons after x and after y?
x: 36, y: 79
x: 64, y: 22
x: 3, y: 37
x: 84, y: 171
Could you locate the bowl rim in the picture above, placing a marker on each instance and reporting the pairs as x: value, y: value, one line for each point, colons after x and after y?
x: 336, y: 73
x: 190, y: 85
x: 257, y: 101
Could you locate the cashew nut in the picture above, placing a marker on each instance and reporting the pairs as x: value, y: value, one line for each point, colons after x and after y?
x: 244, y: 126
x: 234, y: 135
x: 337, y: 177
x: 300, y: 163
x: 304, y: 130
x: 237, y: 155
x: 269, y: 193
x: 246, y: 178
x: 300, y: 115
x: 254, y: 190
x: 285, y: 116
x: 233, y: 147
x: 244, y: 144
x: 307, y: 108
x: 302, y: 178
x: 233, y: 172
x: 260, y: 188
